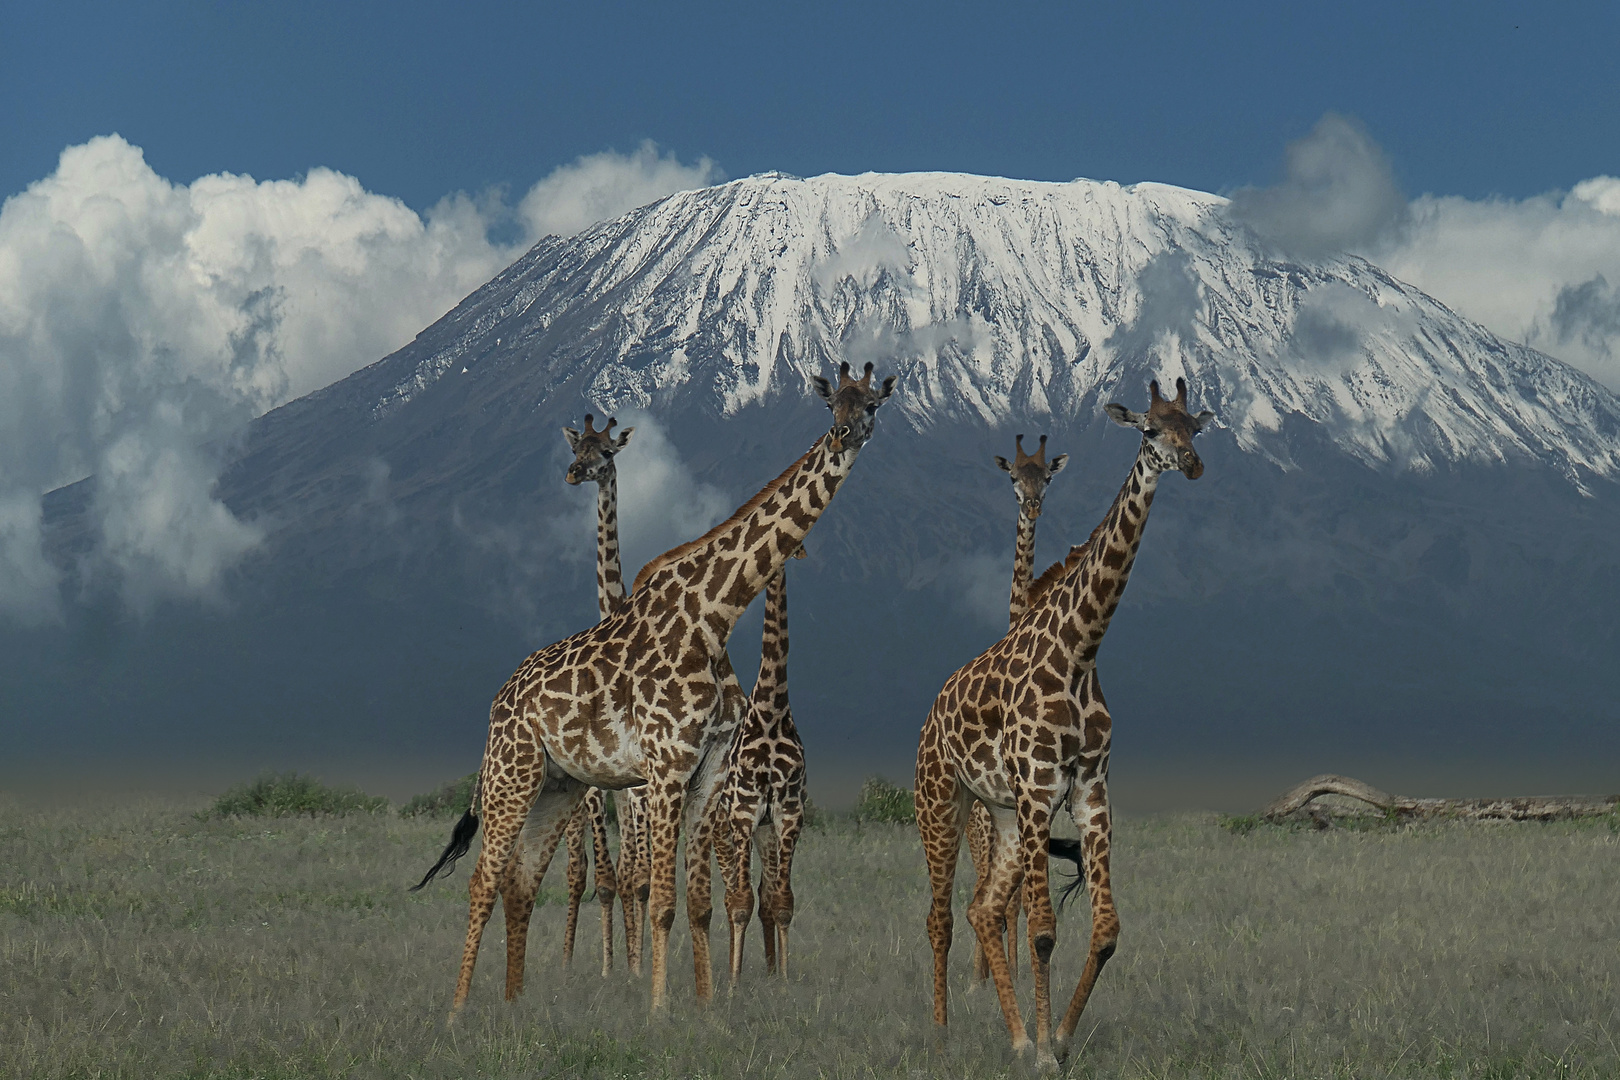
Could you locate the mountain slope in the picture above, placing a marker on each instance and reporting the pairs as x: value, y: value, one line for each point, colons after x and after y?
x: 1402, y: 544
x: 999, y: 299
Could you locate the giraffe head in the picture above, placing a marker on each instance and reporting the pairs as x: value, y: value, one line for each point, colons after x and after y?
x: 854, y: 404
x: 1030, y: 475
x: 1167, y: 430
x: 593, y: 450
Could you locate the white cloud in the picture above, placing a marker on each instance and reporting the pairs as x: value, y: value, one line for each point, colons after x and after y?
x: 874, y: 250
x: 599, y: 187
x: 1542, y: 270
x: 980, y: 582
x: 1168, y: 313
x: 28, y: 581
x: 1339, y: 194
x: 142, y: 321
x: 661, y: 504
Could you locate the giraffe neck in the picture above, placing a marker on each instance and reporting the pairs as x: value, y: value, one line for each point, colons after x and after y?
x: 730, y: 564
x: 1089, y: 594
x: 1023, y: 565
x: 770, y: 689
x: 609, y: 578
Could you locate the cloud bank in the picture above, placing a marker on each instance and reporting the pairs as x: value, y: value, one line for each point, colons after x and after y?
x: 600, y: 187
x: 1339, y: 194
x: 1544, y: 271
x: 143, y: 323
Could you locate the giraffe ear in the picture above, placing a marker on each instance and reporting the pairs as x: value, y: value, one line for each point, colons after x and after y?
x: 1003, y: 464
x: 1202, y: 420
x: 823, y: 389
x: 624, y: 437
x: 1122, y: 416
x: 886, y: 389
x: 573, y: 439
x: 1055, y: 466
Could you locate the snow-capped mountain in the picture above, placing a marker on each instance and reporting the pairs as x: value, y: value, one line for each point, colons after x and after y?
x: 999, y: 300
x: 1404, y: 536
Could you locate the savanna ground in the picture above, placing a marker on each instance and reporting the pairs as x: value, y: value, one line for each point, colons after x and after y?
x: 138, y: 940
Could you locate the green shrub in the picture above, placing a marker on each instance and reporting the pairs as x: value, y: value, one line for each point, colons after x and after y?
x: 1241, y: 824
x: 448, y: 800
x: 814, y: 816
x: 882, y: 801
x: 293, y: 795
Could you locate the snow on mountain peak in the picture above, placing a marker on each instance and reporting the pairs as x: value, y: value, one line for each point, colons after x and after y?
x: 997, y: 298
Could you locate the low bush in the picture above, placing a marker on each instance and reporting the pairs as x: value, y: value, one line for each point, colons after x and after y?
x: 881, y: 801
x: 814, y: 816
x: 293, y: 795
x: 450, y: 799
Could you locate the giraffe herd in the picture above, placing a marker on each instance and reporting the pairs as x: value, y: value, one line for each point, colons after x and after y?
x: 645, y: 705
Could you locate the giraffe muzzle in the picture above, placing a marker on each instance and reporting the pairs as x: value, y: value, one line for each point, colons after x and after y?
x: 1192, y: 467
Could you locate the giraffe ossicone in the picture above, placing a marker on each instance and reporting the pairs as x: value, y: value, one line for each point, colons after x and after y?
x: 1023, y: 729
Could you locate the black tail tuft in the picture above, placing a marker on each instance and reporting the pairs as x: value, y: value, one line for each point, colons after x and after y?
x: 1070, y: 850
x: 460, y: 840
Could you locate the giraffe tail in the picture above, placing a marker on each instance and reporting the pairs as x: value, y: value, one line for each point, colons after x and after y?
x: 460, y: 840
x: 1057, y: 847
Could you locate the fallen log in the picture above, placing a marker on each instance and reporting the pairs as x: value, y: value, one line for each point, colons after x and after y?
x: 1296, y: 804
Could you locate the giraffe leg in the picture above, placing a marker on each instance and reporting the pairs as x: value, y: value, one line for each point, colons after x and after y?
x: 506, y: 800
x: 738, y: 824
x: 764, y: 843
x: 1015, y: 906
x: 987, y: 915
x: 1090, y: 807
x: 790, y: 822
x: 664, y: 804
x: 979, y: 831
x: 578, y: 871
x: 1034, y: 813
x: 939, y: 823
x: 547, y: 822
x: 703, y: 797
x: 629, y: 875
x: 643, y: 878
x: 607, y: 885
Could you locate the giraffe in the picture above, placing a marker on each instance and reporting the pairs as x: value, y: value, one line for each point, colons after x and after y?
x: 641, y: 697
x: 1024, y: 729
x: 594, y: 453
x: 762, y: 802
x: 1030, y: 473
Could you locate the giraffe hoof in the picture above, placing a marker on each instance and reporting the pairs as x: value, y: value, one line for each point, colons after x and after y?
x: 1046, y: 1062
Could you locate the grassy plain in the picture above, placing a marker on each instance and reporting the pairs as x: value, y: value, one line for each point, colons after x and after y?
x: 139, y: 941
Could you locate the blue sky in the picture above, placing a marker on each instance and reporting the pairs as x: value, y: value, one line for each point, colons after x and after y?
x: 211, y: 209
x: 419, y: 100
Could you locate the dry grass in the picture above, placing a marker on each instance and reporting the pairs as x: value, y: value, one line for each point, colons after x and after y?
x: 138, y: 941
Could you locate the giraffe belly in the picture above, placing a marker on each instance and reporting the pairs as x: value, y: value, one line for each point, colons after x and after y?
x: 610, y: 760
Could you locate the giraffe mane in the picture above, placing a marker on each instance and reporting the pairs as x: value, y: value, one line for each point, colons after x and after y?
x: 709, y: 537
x: 1060, y: 569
